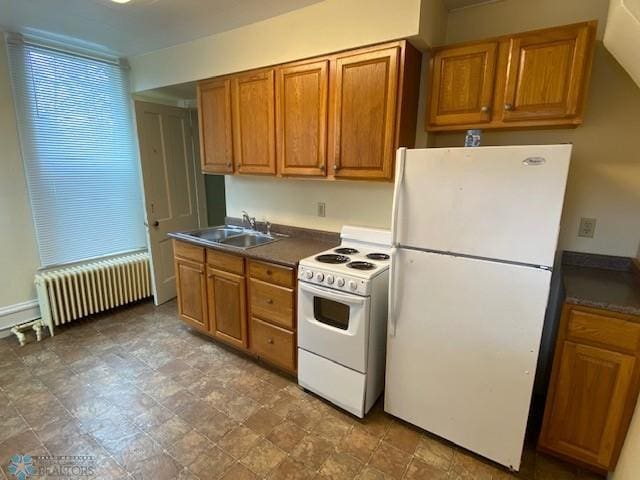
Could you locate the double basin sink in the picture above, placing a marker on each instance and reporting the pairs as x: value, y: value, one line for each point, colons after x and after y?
x: 229, y: 236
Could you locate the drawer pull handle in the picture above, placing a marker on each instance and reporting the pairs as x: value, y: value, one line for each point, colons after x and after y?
x: 270, y: 301
x: 269, y: 272
x: 270, y: 340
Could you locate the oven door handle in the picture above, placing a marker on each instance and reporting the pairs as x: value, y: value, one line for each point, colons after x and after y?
x: 332, y: 294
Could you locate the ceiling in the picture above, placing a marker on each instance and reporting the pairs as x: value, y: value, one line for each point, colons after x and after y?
x: 453, y: 4
x: 136, y: 27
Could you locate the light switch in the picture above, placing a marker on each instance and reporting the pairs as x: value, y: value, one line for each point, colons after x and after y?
x: 587, y: 227
x: 322, y: 209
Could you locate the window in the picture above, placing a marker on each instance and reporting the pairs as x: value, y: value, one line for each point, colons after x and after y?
x: 81, y: 163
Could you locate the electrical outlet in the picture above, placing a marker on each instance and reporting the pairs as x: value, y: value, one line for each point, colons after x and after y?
x: 322, y: 212
x: 587, y: 227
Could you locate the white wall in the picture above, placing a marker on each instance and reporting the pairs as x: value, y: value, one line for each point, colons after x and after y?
x: 18, y: 251
x: 294, y: 202
x: 320, y: 28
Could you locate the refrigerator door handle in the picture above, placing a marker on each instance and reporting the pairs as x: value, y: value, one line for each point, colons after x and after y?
x: 391, y: 328
x: 400, y: 160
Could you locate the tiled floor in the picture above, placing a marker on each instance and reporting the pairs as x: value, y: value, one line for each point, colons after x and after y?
x: 150, y: 399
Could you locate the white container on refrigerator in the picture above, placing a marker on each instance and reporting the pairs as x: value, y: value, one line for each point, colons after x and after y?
x: 474, y: 234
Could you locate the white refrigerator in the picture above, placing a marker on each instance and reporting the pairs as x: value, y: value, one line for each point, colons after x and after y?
x: 474, y: 233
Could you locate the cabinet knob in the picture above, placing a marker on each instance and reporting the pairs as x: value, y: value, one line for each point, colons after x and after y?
x: 484, y: 109
x: 335, y: 167
x: 238, y: 165
x: 321, y: 168
x: 270, y: 340
x: 228, y: 164
x: 270, y: 301
x: 508, y: 106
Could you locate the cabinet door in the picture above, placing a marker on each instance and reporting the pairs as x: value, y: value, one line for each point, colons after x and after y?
x: 214, y: 115
x: 587, y: 403
x: 546, y: 74
x: 254, y: 133
x: 192, y: 293
x: 226, y: 296
x: 462, y: 85
x: 364, y: 95
x: 301, y: 118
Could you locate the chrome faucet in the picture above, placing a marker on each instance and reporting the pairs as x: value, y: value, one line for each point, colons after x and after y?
x: 250, y: 220
x: 267, y: 226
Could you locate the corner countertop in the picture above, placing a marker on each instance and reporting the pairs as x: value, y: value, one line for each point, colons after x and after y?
x: 288, y: 251
x: 598, y: 281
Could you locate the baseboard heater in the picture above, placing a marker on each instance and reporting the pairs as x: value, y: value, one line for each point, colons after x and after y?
x: 68, y: 293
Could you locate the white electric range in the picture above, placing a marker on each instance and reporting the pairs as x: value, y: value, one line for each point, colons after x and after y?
x: 342, y: 319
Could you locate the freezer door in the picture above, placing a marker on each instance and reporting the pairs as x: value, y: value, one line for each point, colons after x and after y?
x: 462, y: 361
x: 491, y: 202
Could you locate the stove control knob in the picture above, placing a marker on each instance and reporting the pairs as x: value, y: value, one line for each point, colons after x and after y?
x: 309, y: 274
x: 319, y: 276
x: 352, y: 285
x: 330, y: 279
x: 340, y: 282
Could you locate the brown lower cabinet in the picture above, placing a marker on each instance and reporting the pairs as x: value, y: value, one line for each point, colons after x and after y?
x: 594, y: 387
x: 247, y: 304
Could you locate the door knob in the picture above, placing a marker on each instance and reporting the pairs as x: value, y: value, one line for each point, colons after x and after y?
x: 270, y: 340
x: 154, y: 224
x: 270, y: 301
x: 508, y: 106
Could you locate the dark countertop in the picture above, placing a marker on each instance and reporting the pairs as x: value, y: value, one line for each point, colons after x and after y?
x: 287, y: 251
x: 613, y: 286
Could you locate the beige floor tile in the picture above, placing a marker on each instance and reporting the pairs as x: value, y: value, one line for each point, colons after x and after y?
x: 238, y: 441
x: 402, y: 436
x: 263, y: 457
x: 359, y: 444
x: 287, y: 435
x: 340, y: 466
x: 289, y: 469
x: 170, y: 431
x: 239, y: 472
x: 467, y: 466
x: 418, y: 470
x: 313, y: 451
x: 214, y: 424
x: 262, y: 421
x: 211, y: 464
x: 390, y: 460
x: 157, y: 467
x: 434, y: 452
x: 187, y: 449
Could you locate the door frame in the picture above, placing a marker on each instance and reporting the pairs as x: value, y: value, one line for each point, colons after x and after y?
x: 198, y: 176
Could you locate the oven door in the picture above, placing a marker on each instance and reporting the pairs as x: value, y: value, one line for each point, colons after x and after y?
x: 334, y: 325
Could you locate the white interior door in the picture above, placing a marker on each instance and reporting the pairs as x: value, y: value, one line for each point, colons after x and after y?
x: 462, y: 360
x: 170, y: 183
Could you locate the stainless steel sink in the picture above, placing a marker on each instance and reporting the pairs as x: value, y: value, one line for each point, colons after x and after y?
x: 247, y: 240
x: 216, y: 234
x: 227, y: 235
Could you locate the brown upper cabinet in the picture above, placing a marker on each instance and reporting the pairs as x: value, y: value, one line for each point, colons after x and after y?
x: 364, y: 92
x: 301, y: 118
x: 532, y: 79
x: 336, y: 116
x: 214, y: 118
x: 464, y: 92
x: 253, y: 97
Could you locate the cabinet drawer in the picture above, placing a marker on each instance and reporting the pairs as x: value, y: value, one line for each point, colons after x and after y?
x: 617, y: 333
x: 268, y: 272
x: 273, y: 344
x: 188, y: 251
x: 225, y: 261
x: 272, y: 303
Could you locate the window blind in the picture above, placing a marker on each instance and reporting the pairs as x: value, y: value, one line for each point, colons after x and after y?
x: 76, y: 131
